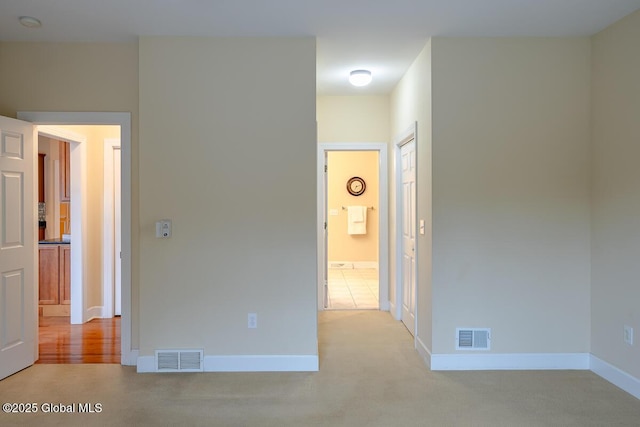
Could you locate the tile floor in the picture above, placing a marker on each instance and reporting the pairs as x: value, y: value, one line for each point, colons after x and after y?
x: 355, y: 288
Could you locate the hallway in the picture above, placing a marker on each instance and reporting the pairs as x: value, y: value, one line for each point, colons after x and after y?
x: 355, y: 288
x: 60, y: 342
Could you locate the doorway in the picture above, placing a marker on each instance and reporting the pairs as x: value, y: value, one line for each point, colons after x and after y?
x: 81, y: 328
x: 128, y: 356
x: 357, y: 281
x: 352, y: 230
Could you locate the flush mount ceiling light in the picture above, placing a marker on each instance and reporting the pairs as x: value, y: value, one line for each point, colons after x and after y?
x: 360, y: 77
x: 30, y: 22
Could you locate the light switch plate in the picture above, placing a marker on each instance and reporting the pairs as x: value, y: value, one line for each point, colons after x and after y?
x: 252, y: 320
x: 163, y: 229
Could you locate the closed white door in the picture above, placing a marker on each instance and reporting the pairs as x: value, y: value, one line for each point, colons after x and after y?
x: 18, y: 279
x: 408, y: 164
x: 117, y: 233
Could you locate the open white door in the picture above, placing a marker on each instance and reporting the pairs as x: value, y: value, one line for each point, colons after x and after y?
x: 112, y: 237
x: 408, y: 164
x: 117, y: 227
x: 325, y: 254
x: 18, y: 277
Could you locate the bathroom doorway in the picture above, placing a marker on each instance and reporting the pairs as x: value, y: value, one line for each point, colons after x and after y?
x: 353, y: 227
x: 353, y: 235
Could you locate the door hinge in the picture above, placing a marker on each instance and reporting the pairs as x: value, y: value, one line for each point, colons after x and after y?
x: 325, y: 225
x: 325, y: 168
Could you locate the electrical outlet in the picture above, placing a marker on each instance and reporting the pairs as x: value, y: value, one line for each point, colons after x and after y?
x: 628, y: 334
x: 252, y: 321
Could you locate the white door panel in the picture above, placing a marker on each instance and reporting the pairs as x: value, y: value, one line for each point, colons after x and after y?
x: 117, y: 236
x: 408, y: 164
x: 18, y: 280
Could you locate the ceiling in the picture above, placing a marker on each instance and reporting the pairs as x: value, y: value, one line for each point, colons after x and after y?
x: 384, y: 36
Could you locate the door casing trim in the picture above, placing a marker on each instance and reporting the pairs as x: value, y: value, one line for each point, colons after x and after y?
x: 128, y: 356
x: 383, y: 214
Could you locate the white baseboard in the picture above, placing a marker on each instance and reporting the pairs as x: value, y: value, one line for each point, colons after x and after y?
x: 385, y: 305
x: 130, y: 359
x: 348, y: 265
x: 268, y: 363
x: 365, y: 264
x: 104, y: 313
x: 515, y: 361
x: 248, y: 363
x: 94, y: 312
x: 615, y: 376
x: 424, y: 352
x: 392, y: 310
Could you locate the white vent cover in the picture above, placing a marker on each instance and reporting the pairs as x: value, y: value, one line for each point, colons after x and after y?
x: 179, y: 361
x: 473, y: 338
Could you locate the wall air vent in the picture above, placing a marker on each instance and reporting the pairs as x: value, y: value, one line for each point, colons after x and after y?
x: 179, y: 361
x: 473, y: 338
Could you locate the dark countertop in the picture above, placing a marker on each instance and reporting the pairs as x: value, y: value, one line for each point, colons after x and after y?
x: 53, y: 242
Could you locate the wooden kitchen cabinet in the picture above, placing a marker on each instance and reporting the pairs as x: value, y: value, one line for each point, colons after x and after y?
x: 49, y: 280
x: 55, y: 274
x: 65, y: 172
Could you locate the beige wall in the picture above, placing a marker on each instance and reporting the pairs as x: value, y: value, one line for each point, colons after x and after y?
x: 227, y: 152
x: 342, y: 165
x: 511, y: 203
x: 247, y: 247
x: 94, y: 203
x: 616, y: 193
x: 353, y: 118
x: 411, y: 103
x: 77, y: 77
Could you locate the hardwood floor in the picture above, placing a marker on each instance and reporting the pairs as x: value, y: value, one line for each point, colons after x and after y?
x: 97, y: 341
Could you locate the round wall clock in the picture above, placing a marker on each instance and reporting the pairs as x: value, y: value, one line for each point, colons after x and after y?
x: 356, y: 186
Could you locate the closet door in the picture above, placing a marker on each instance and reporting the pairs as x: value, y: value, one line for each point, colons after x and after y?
x: 408, y: 162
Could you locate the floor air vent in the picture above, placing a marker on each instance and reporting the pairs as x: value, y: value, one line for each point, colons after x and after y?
x: 473, y: 339
x: 179, y: 361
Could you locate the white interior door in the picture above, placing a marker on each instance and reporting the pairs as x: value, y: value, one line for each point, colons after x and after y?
x: 408, y: 164
x: 112, y: 237
x: 325, y: 254
x: 117, y: 235
x: 18, y: 278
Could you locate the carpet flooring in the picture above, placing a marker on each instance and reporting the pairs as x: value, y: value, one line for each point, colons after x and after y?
x: 370, y: 375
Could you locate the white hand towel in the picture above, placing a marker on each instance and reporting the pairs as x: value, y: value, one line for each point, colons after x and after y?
x: 357, y: 220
